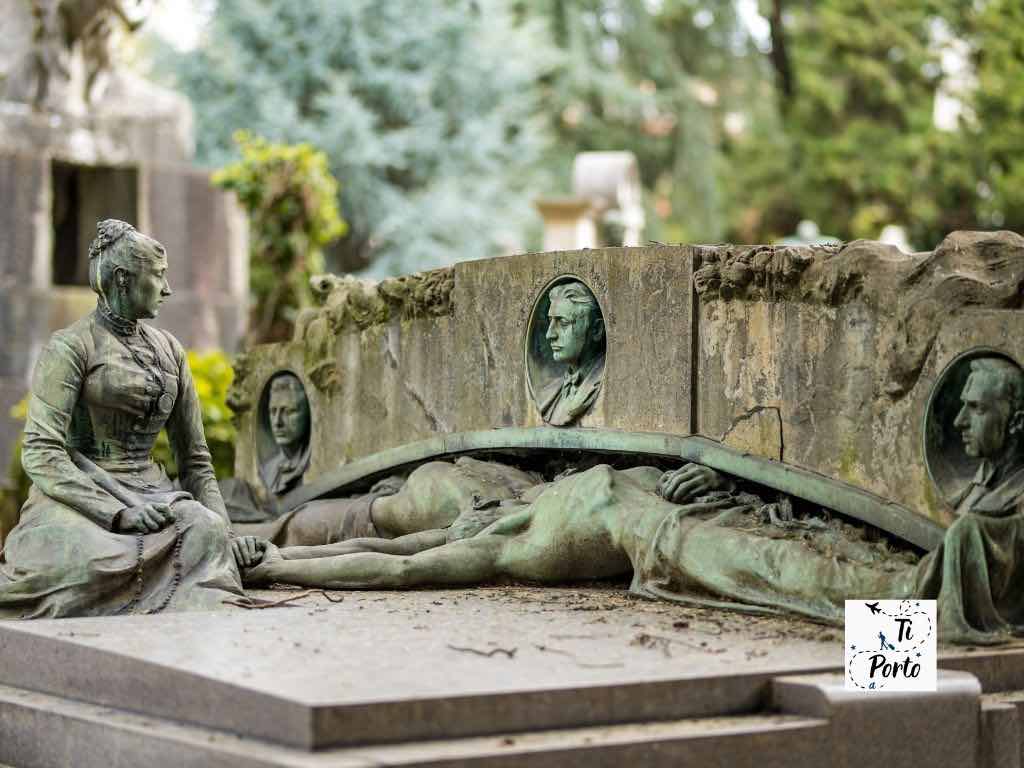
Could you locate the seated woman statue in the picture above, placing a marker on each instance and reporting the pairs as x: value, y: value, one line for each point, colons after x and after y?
x: 687, y: 536
x: 104, y: 531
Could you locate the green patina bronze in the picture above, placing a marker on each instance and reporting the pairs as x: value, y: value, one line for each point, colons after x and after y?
x: 104, y: 531
x: 851, y: 501
x: 565, y: 351
x: 976, y: 572
x: 693, y: 534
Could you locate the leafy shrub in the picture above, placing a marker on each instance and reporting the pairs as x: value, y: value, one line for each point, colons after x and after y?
x: 292, y: 201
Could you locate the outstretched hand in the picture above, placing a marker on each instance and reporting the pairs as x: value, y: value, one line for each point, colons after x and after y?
x: 689, y: 481
x: 248, y: 550
x: 259, y: 571
x: 144, y: 518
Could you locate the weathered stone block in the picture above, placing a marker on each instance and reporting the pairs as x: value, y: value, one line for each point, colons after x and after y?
x: 205, y: 235
x: 846, y: 344
x: 24, y: 220
x: 420, y: 371
x: 105, y: 139
x: 24, y: 323
x: 938, y: 728
x: 825, y: 358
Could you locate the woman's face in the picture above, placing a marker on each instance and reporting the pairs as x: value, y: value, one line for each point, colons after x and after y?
x: 148, y: 287
x: 289, y: 416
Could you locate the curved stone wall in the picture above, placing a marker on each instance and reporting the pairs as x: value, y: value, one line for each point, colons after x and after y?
x: 821, y: 357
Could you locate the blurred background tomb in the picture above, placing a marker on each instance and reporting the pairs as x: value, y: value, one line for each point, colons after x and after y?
x: 605, y: 208
x: 83, y: 138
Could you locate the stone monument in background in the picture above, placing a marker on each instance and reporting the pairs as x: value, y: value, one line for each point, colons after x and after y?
x: 605, y: 208
x: 84, y: 139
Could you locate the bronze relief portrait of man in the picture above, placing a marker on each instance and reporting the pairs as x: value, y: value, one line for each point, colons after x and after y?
x: 566, y: 352
x: 288, y: 421
x: 974, y: 448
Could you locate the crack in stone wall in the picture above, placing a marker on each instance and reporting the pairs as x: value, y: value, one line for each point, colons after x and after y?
x: 751, y: 422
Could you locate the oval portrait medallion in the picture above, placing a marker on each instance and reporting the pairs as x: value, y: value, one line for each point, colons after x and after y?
x: 565, y: 351
x: 284, y: 427
x: 974, y: 419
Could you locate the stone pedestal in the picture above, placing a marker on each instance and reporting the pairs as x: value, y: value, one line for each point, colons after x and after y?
x: 487, y: 677
x: 569, y: 223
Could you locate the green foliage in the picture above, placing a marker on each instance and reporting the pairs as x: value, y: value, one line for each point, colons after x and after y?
x: 832, y: 118
x: 212, y: 374
x: 827, y: 114
x: 292, y: 201
x: 864, y: 148
x: 998, y: 57
x: 657, y: 79
x: 426, y: 110
x: 856, y: 145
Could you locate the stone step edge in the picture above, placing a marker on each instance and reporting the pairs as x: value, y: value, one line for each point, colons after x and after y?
x: 105, y: 678
x: 1002, y: 724
x: 40, y: 730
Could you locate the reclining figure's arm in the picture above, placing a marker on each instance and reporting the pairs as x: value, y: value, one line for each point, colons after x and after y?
x: 403, y: 545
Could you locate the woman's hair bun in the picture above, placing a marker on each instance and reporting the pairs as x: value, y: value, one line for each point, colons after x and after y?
x: 108, y: 232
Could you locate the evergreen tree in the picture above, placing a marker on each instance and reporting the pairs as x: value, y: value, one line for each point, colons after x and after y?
x: 423, y: 108
x: 997, y: 130
x: 856, y: 83
x: 660, y: 78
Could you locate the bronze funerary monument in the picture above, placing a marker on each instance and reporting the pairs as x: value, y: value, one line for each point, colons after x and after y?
x: 737, y: 435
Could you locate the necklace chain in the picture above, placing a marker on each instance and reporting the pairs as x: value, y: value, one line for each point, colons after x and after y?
x: 156, y: 368
x: 121, y: 326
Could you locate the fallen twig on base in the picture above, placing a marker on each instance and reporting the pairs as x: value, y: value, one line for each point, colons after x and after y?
x: 510, y: 652
x: 328, y: 598
x: 252, y: 603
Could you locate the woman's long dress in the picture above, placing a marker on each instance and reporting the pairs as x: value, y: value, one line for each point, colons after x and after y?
x: 100, y: 396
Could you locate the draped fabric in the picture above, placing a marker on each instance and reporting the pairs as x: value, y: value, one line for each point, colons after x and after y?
x: 564, y: 400
x: 281, y: 474
x: 976, y: 572
x: 98, y: 401
x: 736, y: 559
x: 248, y: 503
x: 733, y: 557
x: 323, y: 521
